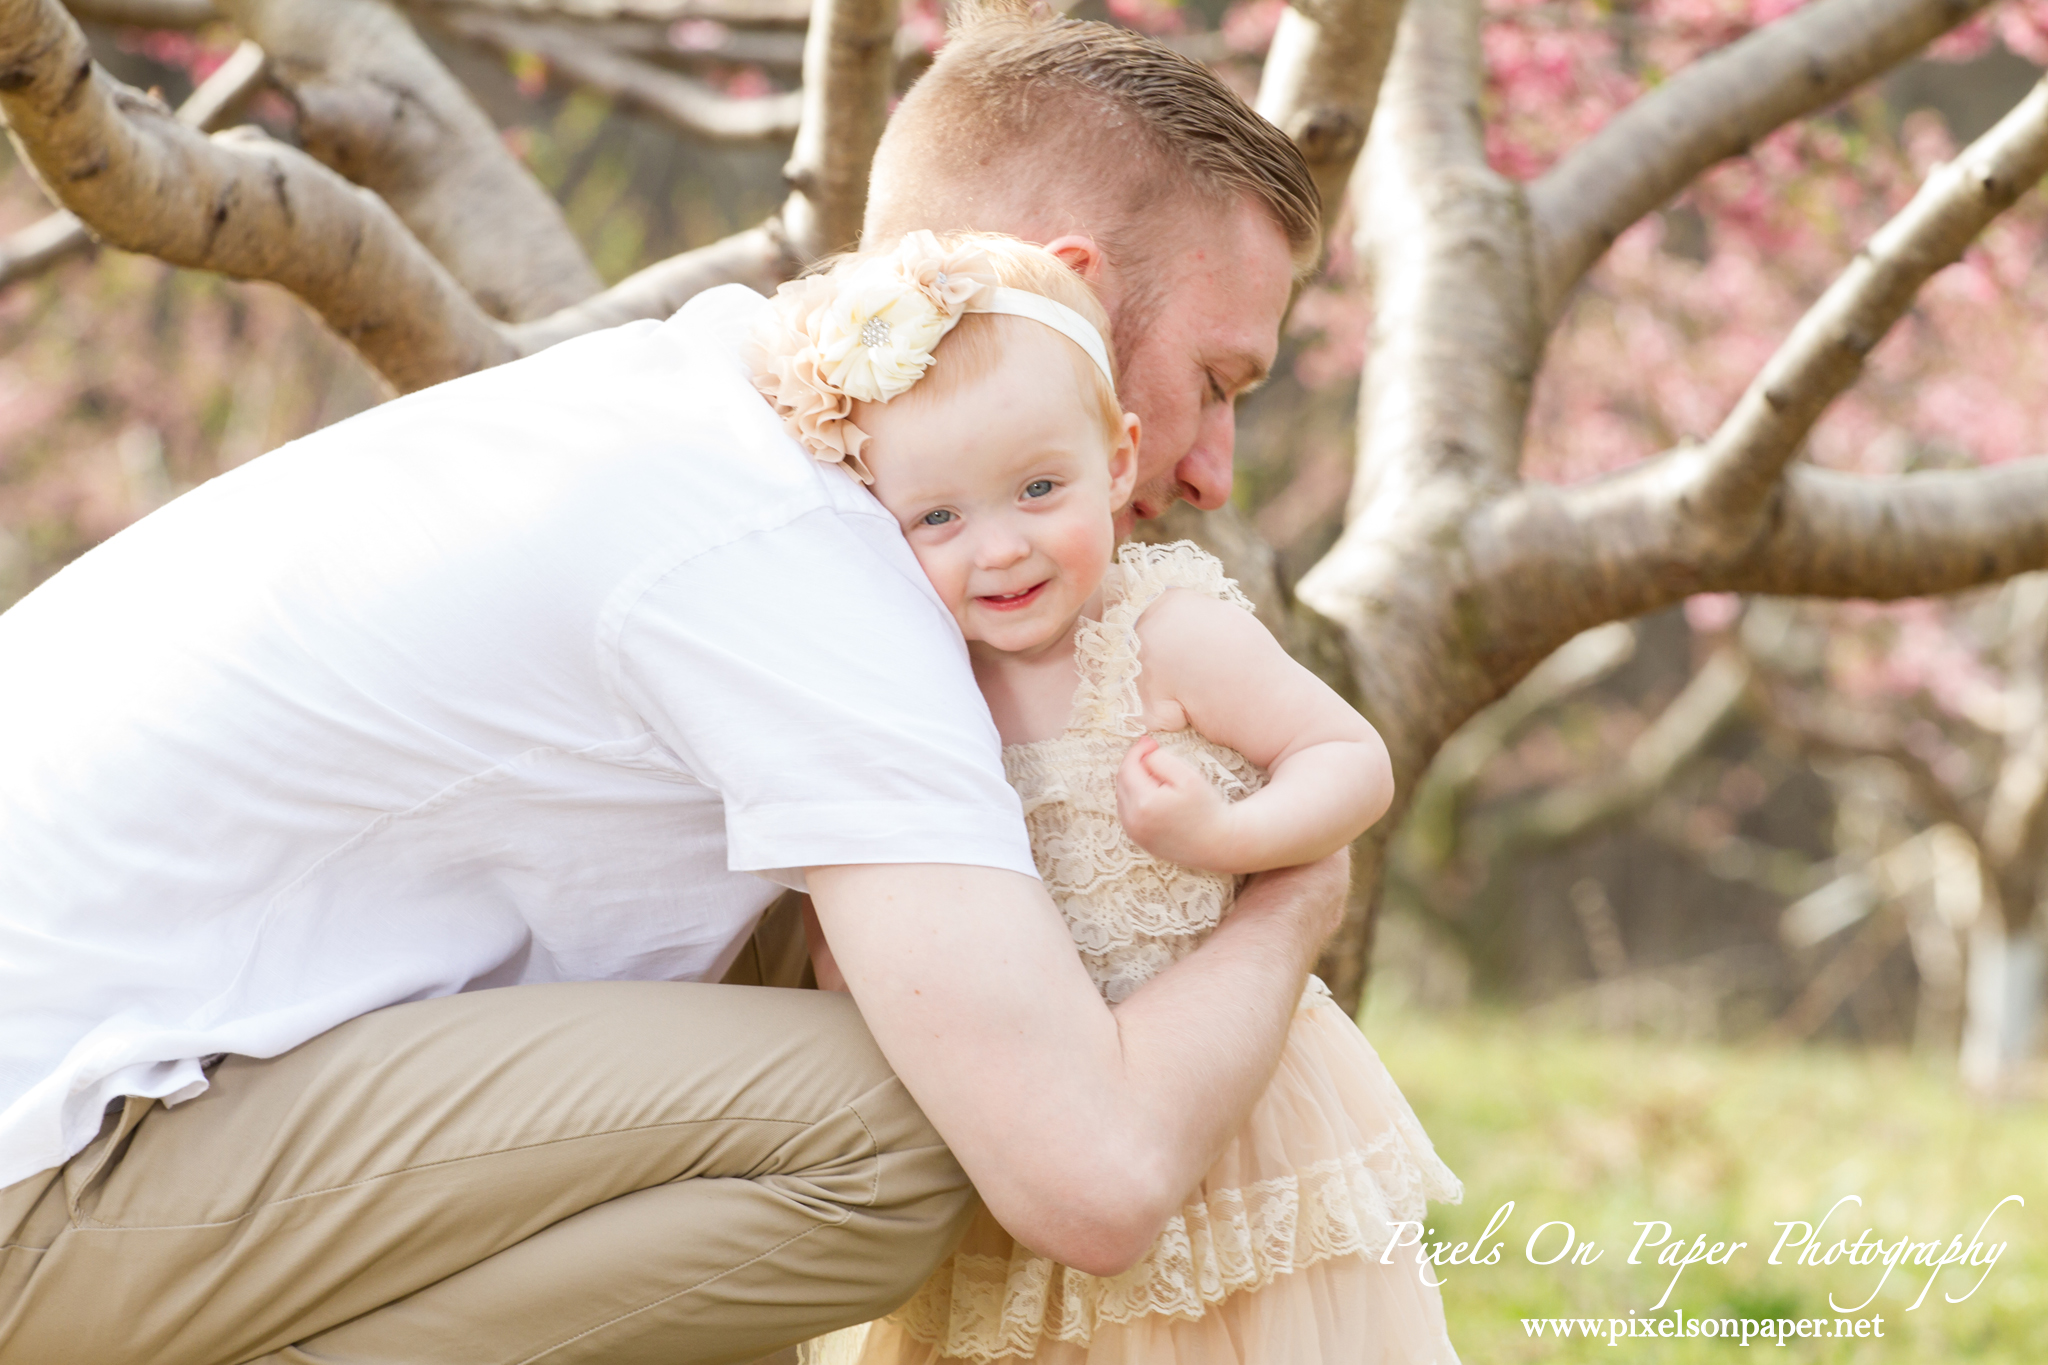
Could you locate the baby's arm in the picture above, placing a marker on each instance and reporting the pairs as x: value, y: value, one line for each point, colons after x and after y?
x: 1327, y: 774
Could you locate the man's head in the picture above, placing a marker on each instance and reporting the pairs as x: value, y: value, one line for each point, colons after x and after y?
x: 1190, y: 214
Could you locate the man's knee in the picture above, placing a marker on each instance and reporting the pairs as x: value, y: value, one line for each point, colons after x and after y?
x: 924, y: 1199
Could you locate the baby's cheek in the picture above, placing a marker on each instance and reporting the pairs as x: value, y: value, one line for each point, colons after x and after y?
x: 1085, y: 547
x: 948, y: 580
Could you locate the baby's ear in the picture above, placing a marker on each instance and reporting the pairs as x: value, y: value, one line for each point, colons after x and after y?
x: 1123, y: 462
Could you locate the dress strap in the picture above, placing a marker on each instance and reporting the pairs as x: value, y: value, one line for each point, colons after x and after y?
x: 1106, y: 651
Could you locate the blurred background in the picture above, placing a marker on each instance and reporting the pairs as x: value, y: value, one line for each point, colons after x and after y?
x: 1688, y: 927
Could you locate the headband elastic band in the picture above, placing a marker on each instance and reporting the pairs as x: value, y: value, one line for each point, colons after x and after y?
x: 1054, y: 314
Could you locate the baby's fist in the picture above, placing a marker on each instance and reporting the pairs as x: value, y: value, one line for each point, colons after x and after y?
x: 1168, y: 808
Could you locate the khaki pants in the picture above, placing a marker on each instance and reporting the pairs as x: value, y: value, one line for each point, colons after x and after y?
x: 612, y: 1171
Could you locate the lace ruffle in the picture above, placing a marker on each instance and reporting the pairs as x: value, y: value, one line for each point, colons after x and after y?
x: 1130, y: 914
x: 1230, y: 1242
x: 1106, y: 651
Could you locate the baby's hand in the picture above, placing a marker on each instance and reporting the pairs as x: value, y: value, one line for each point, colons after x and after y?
x: 1170, y: 810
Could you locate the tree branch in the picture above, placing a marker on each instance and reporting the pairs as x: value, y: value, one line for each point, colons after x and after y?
x: 849, y: 74
x: 1322, y: 80
x: 237, y: 203
x: 1429, y: 836
x: 1714, y: 109
x: 757, y: 257
x: 378, y: 106
x: 667, y: 45
x: 2016, y: 817
x: 1734, y: 515
x: 1844, y: 973
x: 792, y: 13
x: 1809, y: 719
x: 1841, y: 535
x: 689, y: 106
x: 1825, y: 353
x: 219, y: 97
x: 185, y: 14
x: 1679, y: 734
x: 30, y: 251
x: 1632, y: 543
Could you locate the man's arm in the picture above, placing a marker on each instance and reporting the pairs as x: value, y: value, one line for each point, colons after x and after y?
x: 1084, y: 1128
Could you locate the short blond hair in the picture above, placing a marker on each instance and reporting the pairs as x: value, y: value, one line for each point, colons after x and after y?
x: 977, y: 342
x: 1112, y: 121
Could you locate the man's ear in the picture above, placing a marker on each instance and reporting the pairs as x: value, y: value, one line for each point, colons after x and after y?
x: 1123, y: 463
x: 1081, y: 254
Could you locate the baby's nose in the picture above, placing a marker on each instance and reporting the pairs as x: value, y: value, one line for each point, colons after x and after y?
x: 1000, y: 549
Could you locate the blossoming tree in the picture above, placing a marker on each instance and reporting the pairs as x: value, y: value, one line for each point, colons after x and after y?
x: 1478, y: 159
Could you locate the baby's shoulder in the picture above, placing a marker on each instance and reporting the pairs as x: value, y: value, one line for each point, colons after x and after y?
x: 1189, y: 641
x: 1186, y: 615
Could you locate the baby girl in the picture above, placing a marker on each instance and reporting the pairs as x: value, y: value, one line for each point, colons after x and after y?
x: 1164, y: 746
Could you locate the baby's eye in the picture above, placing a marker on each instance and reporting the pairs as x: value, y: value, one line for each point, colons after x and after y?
x: 1038, y: 488
x: 937, y: 517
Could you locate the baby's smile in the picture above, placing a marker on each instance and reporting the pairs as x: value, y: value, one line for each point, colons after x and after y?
x: 1013, y: 601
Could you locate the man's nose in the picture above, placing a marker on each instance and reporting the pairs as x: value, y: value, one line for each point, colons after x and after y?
x: 1203, y: 474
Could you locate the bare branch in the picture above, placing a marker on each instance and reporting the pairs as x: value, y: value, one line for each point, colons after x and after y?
x: 849, y: 74
x: 1839, y: 979
x: 1632, y: 543
x: 1679, y: 734
x: 688, y: 105
x: 237, y: 203
x: 1714, y: 109
x: 378, y: 106
x: 1322, y: 80
x: 1428, y: 837
x: 222, y: 94
x: 793, y: 13
x: 1825, y: 352
x: 837, y: 153
x: 145, y: 13
x: 757, y: 258
x: 2016, y: 817
x: 219, y: 97
x: 35, y: 248
x: 1810, y: 719
x: 668, y: 45
x: 1838, y: 535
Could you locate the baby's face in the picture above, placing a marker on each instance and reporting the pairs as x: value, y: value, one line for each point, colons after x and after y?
x: 1005, y: 489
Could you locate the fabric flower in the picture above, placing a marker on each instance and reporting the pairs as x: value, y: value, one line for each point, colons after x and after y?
x: 863, y: 333
x: 875, y: 336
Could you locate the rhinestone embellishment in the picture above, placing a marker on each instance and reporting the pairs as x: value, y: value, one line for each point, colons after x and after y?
x: 874, y: 332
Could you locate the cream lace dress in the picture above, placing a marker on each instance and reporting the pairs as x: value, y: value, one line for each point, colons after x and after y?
x: 1274, y: 1259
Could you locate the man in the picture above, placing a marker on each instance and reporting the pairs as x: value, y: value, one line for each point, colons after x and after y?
x: 539, y: 681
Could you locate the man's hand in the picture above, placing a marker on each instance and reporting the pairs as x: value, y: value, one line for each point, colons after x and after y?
x: 1083, y: 1128
x: 1308, y: 901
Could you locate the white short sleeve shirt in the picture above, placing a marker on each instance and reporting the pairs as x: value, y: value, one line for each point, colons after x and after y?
x: 549, y: 673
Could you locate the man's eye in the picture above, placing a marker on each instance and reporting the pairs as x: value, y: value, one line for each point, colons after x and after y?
x: 938, y: 517
x: 1038, y: 488
x: 1216, y: 390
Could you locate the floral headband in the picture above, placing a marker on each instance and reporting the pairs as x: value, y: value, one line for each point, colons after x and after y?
x: 867, y: 334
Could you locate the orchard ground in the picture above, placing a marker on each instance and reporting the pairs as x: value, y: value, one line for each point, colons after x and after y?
x: 1607, y: 1132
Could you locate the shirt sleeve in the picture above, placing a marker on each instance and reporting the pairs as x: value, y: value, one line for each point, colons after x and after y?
x: 809, y: 675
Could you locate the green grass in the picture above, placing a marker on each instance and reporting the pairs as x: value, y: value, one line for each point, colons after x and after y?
x: 1605, y: 1132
